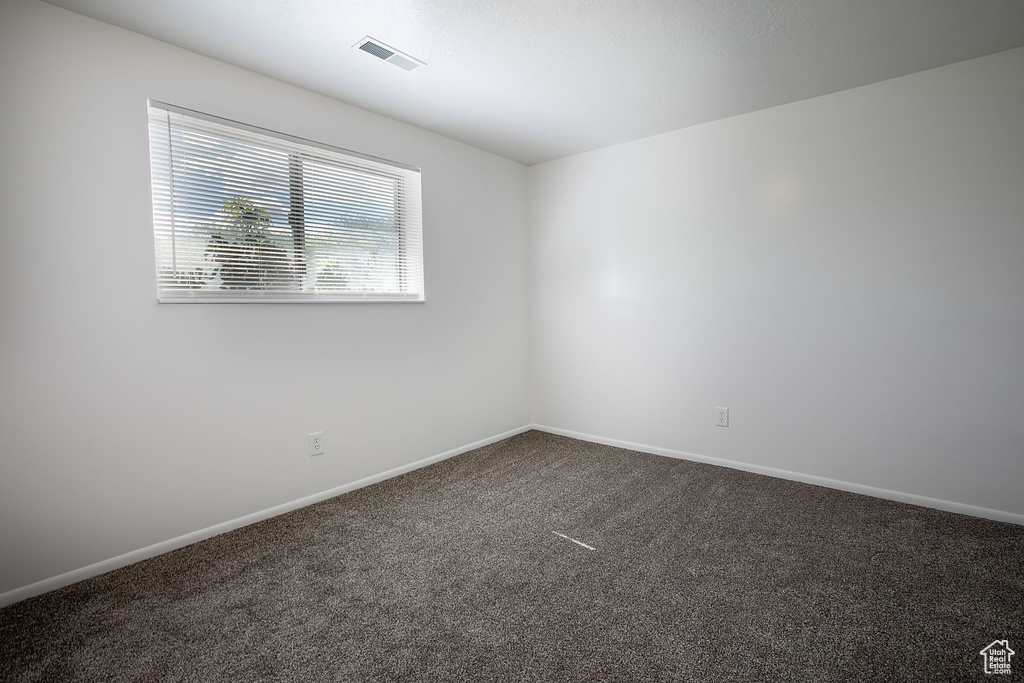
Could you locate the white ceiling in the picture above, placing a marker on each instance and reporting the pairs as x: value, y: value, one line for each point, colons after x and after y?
x: 534, y: 80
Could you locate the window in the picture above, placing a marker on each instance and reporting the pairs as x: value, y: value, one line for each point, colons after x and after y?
x: 242, y: 214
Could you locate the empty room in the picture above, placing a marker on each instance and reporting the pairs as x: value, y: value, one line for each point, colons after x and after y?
x: 512, y: 340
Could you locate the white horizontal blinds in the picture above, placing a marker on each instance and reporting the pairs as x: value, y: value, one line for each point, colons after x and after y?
x: 242, y: 215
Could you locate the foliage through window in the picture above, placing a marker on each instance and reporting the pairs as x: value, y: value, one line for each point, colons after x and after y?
x: 242, y: 214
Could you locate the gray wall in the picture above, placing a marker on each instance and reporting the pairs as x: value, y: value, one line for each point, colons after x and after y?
x: 845, y: 273
x: 127, y: 423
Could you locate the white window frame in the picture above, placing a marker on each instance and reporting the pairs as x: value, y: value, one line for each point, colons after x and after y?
x: 194, y: 207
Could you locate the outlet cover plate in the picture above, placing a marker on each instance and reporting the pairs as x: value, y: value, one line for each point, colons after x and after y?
x: 721, y: 417
x: 316, y: 443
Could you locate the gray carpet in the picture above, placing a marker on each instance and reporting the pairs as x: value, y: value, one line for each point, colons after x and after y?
x: 453, y: 572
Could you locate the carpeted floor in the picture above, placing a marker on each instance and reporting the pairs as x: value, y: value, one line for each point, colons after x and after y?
x: 454, y: 572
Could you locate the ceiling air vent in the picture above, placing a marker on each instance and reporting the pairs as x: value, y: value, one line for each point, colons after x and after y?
x: 388, y: 54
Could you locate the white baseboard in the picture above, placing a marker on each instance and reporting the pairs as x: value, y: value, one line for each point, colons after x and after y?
x: 76, y: 575
x: 923, y: 501
x: 104, y: 566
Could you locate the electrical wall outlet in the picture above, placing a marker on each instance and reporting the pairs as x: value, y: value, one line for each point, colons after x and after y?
x: 721, y: 417
x: 316, y: 443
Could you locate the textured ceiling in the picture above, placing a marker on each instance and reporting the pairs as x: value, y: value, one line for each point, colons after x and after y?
x: 534, y: 80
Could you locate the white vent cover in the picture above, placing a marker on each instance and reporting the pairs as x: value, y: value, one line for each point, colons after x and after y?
x: 388, y: 54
